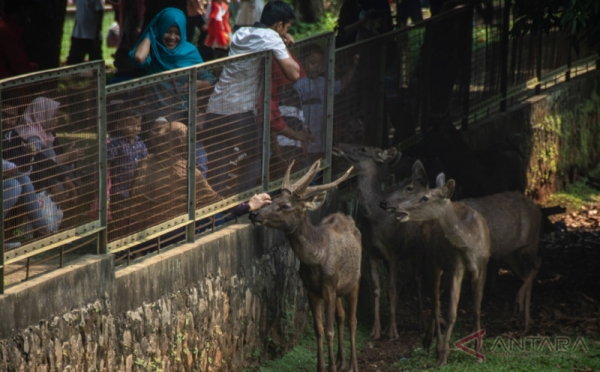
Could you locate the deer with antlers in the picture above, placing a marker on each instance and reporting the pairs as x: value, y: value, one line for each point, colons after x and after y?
x: 329, y: 254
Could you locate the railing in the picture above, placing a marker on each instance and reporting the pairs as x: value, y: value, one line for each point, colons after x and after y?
x: 176, y: 181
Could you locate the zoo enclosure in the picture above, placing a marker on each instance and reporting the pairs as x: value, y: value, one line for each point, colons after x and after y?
x: 456, y: 67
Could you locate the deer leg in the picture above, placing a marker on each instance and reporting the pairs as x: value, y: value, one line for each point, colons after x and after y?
x: 477, y: 286
x: 435, y: 315
x: 443, y: 349
x: 376, y: 331
x: 339, y: 319
x: 329, y: 298
x: 317, y: 311
x: 392, y: 296
x: 352, y: 302
x: 536, y: 263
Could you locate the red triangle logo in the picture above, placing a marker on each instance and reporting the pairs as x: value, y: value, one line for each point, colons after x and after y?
x: 460, y: 344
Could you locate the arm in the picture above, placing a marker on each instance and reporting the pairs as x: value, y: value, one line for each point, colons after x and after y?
x: 353, y: 27
x: 297, y: 135
x: 290, y: 68
x: 142, y: 51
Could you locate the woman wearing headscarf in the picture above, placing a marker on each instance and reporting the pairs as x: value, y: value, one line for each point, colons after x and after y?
x: 159, y: 187
x: 36, y: 129
x: 163, y: 46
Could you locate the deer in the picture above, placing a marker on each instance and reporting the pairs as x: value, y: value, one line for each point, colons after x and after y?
x: 465, y: 247
x: 382, y: 238
x: 330, y: 256
x: 514, y: 223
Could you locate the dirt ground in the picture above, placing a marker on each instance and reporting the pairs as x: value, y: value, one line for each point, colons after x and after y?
x: 565, y: 297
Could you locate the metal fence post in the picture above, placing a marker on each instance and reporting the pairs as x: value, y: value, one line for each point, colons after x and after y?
x: 538, y: 69
x: 381, y: 133
x: 569, y: 62
x: 1, y: 207
x: 504, y: 52
x: 266, y: 148
x: 330, y: 99
x: 103, y: 171
x: 467, y: 70
x: 190, y: 231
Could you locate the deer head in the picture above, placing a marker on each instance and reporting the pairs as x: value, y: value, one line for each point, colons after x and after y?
x: 414, y: 200
x: 367, y: 158
x: 287, y: 210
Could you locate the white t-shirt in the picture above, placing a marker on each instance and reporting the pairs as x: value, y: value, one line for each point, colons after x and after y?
x: 240, y: 83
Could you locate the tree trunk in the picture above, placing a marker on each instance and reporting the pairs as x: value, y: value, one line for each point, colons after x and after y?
x: 43, y: 34
x: 308, y: 10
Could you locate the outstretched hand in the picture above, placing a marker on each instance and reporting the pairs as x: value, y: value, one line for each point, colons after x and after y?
x: 257, y: 201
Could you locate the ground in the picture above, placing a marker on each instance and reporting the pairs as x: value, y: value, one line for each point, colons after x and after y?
x: 565, y: 308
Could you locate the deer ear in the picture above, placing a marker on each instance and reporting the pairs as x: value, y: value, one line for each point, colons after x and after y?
x: 315, y: 202
x: 418, y: 172
x: 440, y: 181
x: 448, y: 189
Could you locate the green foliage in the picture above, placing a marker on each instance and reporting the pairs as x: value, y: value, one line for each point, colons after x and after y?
x: 498, y: 359
x: 580, y: 19
x: 575, y: 196
x: 302, y: 30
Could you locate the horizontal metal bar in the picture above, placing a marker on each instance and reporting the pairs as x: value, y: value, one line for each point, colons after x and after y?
x: 181, y: 72
x: 148, y: 234
x: 313, y: 39
x: 50, y: 74
x: 226, y: 204
x: 51, y: 242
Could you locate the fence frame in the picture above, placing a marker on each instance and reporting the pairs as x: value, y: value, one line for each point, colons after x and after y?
x: 97, y: 226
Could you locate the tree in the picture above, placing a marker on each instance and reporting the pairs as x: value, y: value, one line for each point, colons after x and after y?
x: 580, y: 19
x: 308, y: 10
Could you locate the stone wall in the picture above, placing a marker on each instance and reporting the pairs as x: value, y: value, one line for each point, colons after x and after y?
x: 558, y: 133
x: 231, y: 299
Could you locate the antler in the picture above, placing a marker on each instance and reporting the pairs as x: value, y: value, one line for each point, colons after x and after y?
x: 309, y: 191
x: 302, y: 182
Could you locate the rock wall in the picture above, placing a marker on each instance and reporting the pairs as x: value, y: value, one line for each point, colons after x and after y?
x: 558, y: 133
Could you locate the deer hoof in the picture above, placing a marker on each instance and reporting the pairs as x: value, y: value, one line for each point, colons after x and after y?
x: 393, y: 334
x: 375, y: 333
x: 443, y: 357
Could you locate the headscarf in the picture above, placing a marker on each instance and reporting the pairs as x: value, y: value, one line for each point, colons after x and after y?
x: 161, y: 178
x: 160, y: 57
x: 36, y: 119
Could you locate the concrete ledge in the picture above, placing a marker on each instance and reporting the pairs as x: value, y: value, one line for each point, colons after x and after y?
x: 84, y: 281
x: 223, y: 253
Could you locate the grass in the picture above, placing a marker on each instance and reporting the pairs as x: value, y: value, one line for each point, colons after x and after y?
x: 575, y: 195
x: 533, y: 357
x: 68, y: 26
x: 304, y: 356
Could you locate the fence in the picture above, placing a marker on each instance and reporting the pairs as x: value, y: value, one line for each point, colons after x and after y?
x: 144, y: 163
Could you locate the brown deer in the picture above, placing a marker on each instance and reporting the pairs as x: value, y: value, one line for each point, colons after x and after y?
x: 514, y: 223
x: 329, y: 254
x: 468, y: 236
x: 383, y: 239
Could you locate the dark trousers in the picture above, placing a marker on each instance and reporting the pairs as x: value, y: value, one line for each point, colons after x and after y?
x: 81, y: 47
x: 233, y: 146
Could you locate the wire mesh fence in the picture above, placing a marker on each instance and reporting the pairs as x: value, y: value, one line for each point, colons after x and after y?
x: 51, y: 157
x: 298, y: 112
x: 184, y: 147
x: 147, y: 150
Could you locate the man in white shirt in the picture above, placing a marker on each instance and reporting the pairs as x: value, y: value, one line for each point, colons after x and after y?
x: 231, y: 137
x: 87, y: 37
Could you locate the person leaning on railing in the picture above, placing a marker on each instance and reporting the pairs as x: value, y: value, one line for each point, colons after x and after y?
x: 162, y: 47
x: 232, y: 108
x: 159, y: 186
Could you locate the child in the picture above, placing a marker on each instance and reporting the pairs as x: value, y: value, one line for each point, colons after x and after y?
x: 218, y: 29
x: 124, y: 151
x: 311, y: 90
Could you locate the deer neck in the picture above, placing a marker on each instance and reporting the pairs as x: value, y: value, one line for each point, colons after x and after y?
x: 454, y: 227
x: 307, y: 242
x: 370, y: 193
